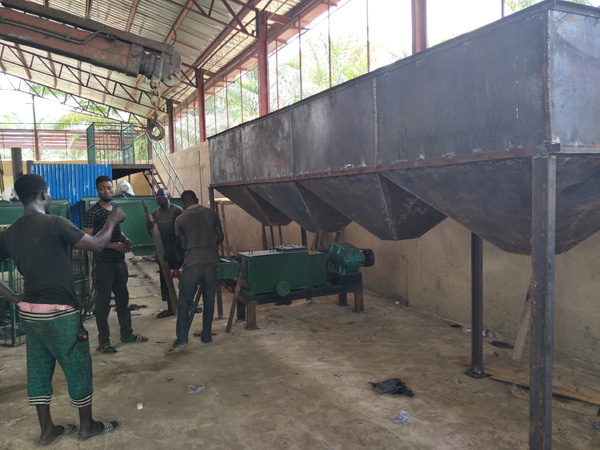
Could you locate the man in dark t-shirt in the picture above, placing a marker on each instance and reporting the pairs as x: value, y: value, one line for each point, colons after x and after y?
x: 199, y: 231
x: 40, y: 245
x: 164, y: 217
x: 110, y: 270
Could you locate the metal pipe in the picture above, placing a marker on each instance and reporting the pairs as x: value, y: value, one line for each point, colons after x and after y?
x: 476, y: 307
x: 543, y: 211
x: 419, y: 25
x: 263, y: 63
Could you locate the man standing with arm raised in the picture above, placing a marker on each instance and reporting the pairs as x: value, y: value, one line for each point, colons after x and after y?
x: 40, y: 246
x: 110, y: 270
x: 164, y: 217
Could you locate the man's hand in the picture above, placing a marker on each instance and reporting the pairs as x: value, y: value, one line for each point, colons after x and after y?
x: 119, y: 246
x: 8, y: 294
x: 117, y: 214
x: 128, y: 243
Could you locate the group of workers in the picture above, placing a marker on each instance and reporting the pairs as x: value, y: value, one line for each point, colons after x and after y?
x: 40, y: 244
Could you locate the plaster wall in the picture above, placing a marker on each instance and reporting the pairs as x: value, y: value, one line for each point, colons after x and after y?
x: 192, y: 167
x: 433, y: 273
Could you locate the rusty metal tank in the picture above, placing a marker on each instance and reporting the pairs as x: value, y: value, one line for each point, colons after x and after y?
x: 448, y: 132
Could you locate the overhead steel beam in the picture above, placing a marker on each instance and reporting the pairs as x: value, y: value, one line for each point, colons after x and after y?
x: 132, y: 12
x: 88, y: 25
x: 214, y: 45
x: 86, y: 80
x: 117, y: 91
x: 95, y: 43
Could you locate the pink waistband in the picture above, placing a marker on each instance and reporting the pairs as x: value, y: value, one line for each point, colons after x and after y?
x: 42, y: 307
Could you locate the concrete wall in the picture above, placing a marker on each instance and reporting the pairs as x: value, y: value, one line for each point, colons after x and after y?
x: 433, y: 273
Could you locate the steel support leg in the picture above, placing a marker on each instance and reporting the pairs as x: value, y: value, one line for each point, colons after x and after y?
x: 476, y: 307
x: 542, y: 305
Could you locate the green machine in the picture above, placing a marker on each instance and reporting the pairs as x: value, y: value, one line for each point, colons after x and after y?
x: 134, y: 226
x: 283, y: 269
x: 291, y: 272
x: 287, y: 268
x: 344, y: 258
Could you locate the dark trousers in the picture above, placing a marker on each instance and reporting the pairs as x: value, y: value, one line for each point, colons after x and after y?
x: 111, y: 277
x: 204, y: 275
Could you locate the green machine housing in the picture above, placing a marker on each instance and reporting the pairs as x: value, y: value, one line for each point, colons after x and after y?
x: 344, y: 258
x: 287, y: 268
x: 283, y: 269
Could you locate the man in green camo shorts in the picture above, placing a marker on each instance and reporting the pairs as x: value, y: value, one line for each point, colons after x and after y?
x: 40, y: 246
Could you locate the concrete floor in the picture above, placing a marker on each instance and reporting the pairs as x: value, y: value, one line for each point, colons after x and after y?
x: 299, y: 382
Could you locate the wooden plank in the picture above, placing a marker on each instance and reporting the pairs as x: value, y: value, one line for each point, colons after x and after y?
x: 569, y: 380
x: 236, y: 294
x: 524, y: 326
x: 164, y: 266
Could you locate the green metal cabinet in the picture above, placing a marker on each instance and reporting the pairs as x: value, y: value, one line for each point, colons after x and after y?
x: 11, y: 211
x: 283, y: 269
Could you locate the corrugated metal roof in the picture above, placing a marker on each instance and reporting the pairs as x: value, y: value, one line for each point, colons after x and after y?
x: 191, y: 26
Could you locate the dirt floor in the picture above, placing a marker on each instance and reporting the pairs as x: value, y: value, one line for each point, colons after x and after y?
x: 299, y: 382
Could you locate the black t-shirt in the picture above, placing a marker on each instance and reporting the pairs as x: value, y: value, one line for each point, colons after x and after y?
x: 40, y: 246
x: 96, y: 218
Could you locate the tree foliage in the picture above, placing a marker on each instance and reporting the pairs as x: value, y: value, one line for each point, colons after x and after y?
x: 517, y: 5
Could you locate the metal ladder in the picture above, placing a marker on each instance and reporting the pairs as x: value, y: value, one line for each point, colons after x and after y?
x: 173, y: 183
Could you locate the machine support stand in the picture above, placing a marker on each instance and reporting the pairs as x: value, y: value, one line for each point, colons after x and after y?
x: 359, y: 305
x: 251, y: 324
x: 343, y: 299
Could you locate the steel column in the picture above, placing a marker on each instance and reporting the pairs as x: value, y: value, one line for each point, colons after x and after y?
x: 171, y: 125
x: 17, y: 162
x: 263, y: 63
x: 476, y: 307
x: 35, y: 131
x: 542, y: 306
x: 419, y: 25
x: 201, y: 105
